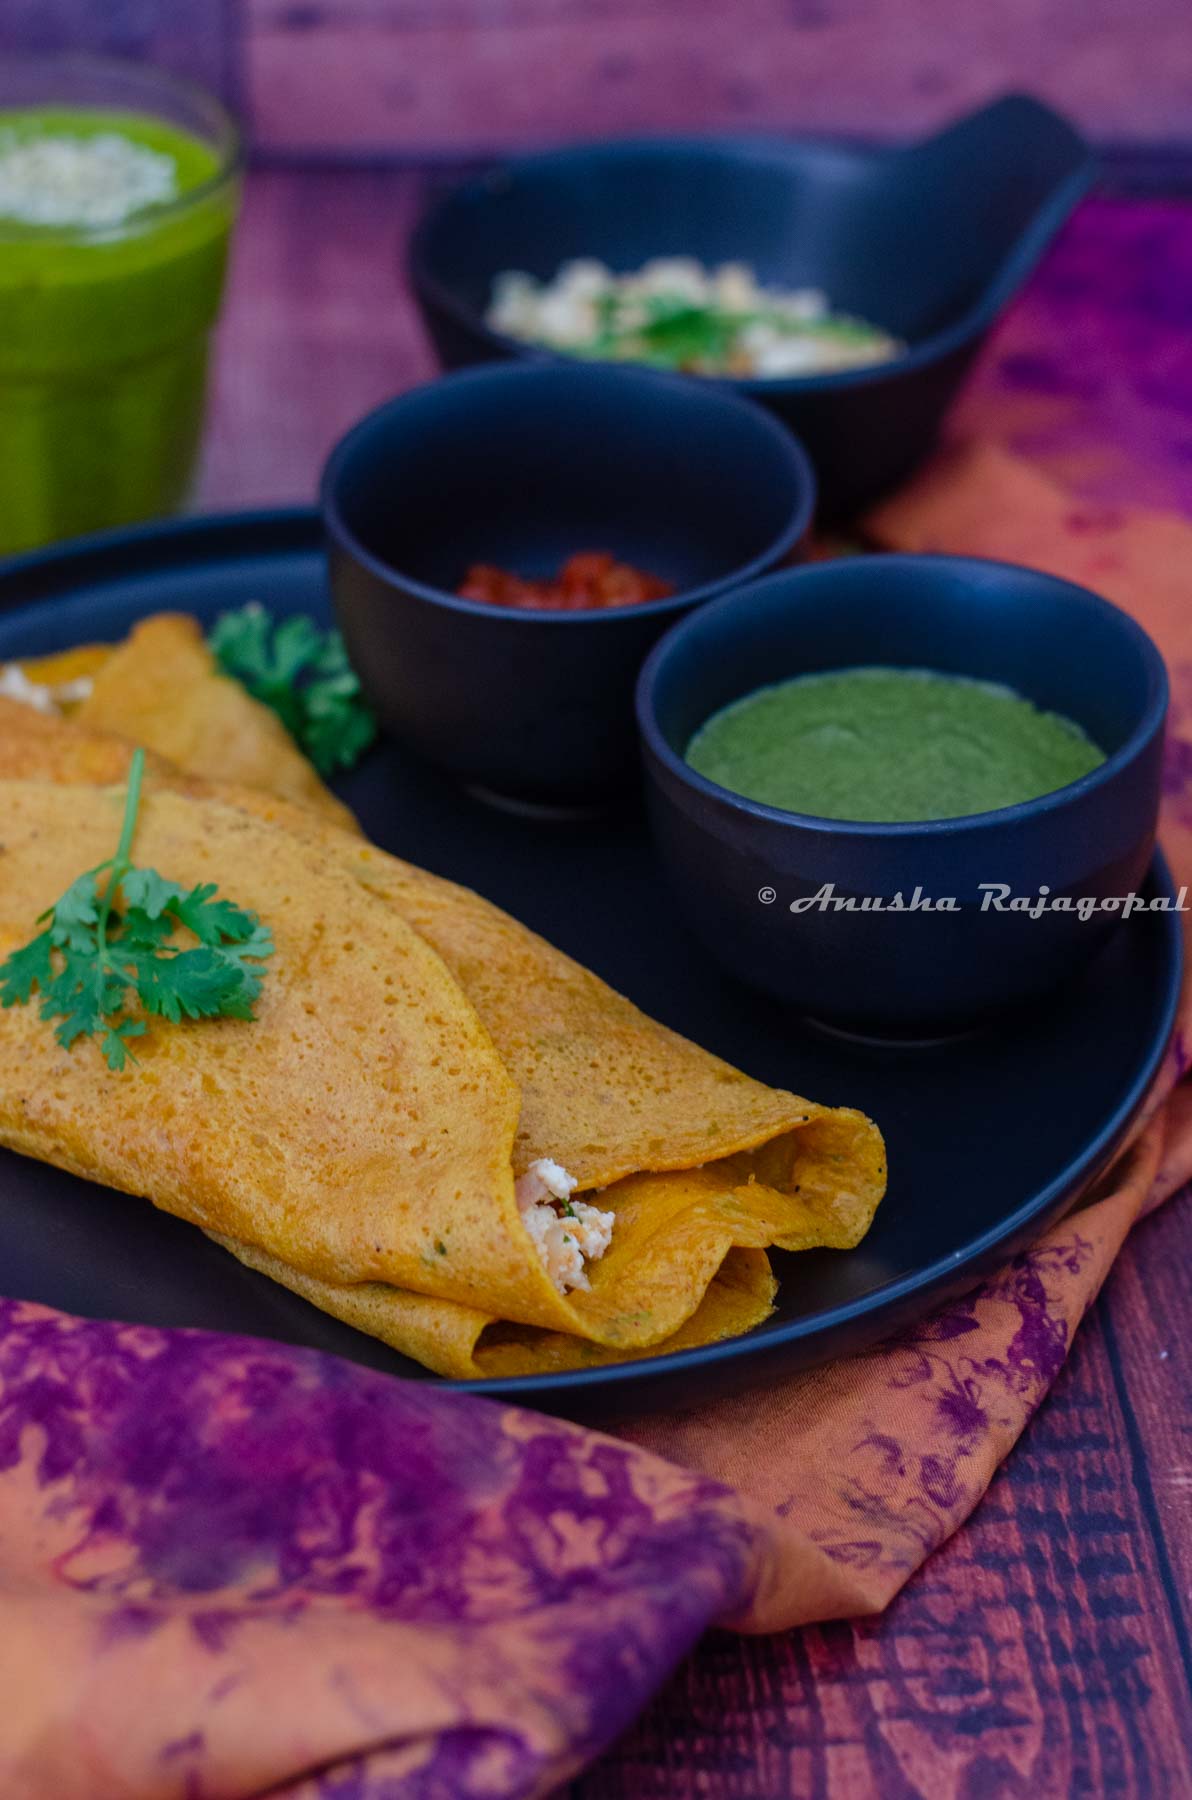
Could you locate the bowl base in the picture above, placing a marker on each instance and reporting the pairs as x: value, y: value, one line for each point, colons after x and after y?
x: 546, y: 810
x: 881, y: 1040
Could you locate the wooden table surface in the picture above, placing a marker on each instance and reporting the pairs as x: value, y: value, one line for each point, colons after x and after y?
x: 1046, y: 1651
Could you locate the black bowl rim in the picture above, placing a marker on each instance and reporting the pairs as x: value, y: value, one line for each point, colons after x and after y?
x: 804, y: 490
x: 744, y: 148
x: 1154, y: 710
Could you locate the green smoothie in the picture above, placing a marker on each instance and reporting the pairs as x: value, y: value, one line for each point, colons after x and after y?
x: 889, y: 745
x: 114, y: 231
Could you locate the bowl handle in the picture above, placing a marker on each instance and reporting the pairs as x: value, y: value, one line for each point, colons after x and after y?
x: 1025, y: 166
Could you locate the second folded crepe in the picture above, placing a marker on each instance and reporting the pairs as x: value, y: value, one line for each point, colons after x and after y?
x: 703, y: 1167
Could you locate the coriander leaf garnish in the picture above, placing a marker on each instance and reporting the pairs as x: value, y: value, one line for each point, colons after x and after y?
x: 108, y: 942
x: 32, y: 966
x: 672, y: 331
x: 304, y: 675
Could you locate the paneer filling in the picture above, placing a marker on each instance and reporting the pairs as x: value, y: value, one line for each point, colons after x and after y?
x: 568, y: 1234
x: 16, y: 685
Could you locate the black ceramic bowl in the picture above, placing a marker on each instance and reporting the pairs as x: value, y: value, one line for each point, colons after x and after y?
x: 737, y: 866
x: 930, y: 241
x: 522, y: 466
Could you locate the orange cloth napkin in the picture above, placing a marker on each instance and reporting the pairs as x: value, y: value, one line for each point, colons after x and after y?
x: 233, y: 1569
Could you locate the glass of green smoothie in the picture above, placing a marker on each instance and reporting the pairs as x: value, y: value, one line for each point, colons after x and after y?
x: 118, y: 189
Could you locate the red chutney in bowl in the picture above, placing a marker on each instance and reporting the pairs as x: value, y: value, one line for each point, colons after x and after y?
x: 590, y: 581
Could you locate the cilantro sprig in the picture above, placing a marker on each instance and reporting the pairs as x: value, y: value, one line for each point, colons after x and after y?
x: 304, y: 675
x: 108, y: 942
x: 669, y: 331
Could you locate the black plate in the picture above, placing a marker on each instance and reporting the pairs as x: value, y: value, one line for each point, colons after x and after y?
x: 989, y: 1137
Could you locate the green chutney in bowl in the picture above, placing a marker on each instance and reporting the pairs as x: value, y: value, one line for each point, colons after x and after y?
x: 890, y: 745
x: 993, y: 739
x: 118, y: 191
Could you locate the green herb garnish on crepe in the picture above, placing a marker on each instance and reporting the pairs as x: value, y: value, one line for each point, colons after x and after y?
x: 303, y: 674
x: 108, y: 940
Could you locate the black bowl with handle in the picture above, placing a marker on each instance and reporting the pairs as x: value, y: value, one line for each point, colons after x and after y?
x: 929, y: 242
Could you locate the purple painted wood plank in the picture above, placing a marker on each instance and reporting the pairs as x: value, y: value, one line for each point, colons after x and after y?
x: 406, y: 77
x: 317, y: 328
x: 458, y: 77
x: 1146, y: 1321
x: 192, y: 39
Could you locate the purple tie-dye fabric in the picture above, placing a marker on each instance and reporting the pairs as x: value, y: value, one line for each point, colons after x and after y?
x: 1090, y: 374
x: 211, y: 1510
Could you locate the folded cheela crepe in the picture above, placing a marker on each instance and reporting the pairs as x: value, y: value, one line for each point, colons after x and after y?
x: 437, y: 1127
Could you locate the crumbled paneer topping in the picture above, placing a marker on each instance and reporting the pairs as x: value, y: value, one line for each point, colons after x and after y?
x: 676, y: 313
x: 81, y: 181
x: 544, y: 1181
x: 16, y: 685
x: 567, y: 1233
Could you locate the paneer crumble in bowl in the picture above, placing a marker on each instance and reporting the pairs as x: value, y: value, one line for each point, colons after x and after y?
x: 845, y: 288
x: 506, y: 545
